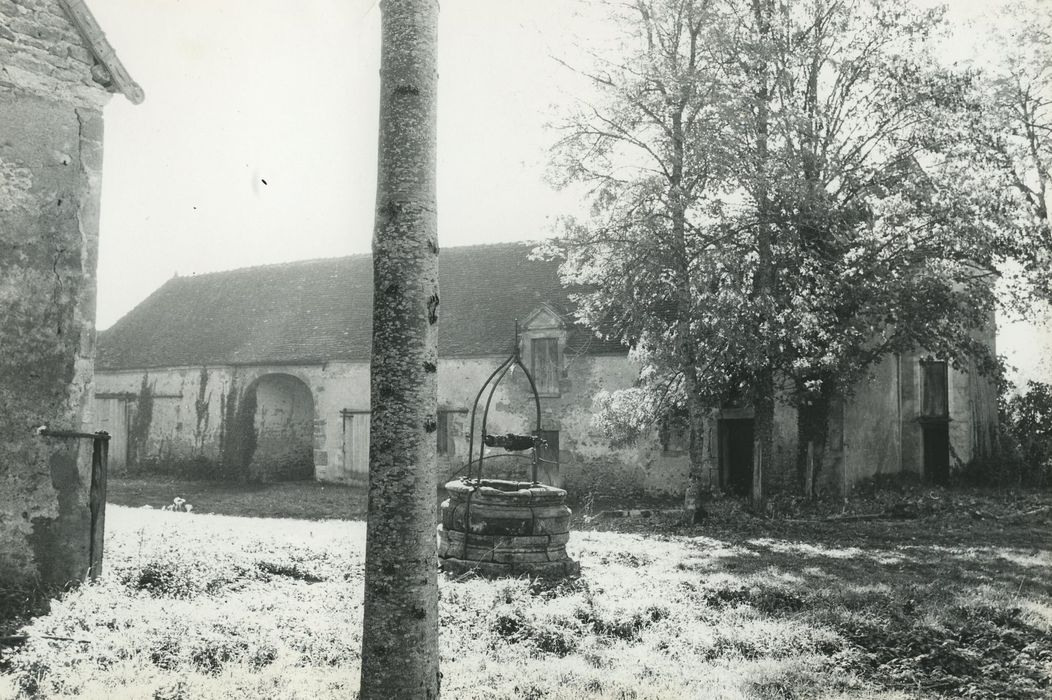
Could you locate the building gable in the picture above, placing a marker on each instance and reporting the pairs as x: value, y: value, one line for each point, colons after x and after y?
x: 56, y: 48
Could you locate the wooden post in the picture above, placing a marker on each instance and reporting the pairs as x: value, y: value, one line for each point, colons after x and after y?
x: 809, y: 477
x: 97, y: 503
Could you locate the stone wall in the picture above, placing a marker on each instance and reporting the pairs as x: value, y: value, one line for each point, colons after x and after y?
x: 194, y: 415
x: 50, y: 170
x: 43, y: 54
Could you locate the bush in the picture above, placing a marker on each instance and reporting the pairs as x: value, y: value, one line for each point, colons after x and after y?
x: 1028, y: 419
x: 1024, y: 457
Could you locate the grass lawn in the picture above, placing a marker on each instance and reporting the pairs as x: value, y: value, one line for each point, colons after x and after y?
x: 305, y: 500
x: 954, y: 602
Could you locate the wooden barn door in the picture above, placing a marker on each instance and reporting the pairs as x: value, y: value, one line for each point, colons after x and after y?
x: 356, y: 445
x: 112, y: 414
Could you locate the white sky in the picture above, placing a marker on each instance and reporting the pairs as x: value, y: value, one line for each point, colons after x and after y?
x: 241, y: 91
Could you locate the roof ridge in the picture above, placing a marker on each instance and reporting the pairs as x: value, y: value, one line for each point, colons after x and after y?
x: 350, y: 256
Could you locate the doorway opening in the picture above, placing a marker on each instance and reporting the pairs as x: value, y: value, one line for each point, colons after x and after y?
x: 935, y: 436
x: 935, y: 420
x: 736, y: 447
x: 283, y: 423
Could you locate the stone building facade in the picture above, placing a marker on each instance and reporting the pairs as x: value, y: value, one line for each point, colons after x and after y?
x: 57, y: 71
x: 264, y: 373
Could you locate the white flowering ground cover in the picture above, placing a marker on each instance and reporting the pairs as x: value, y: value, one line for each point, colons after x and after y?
x: 208, y: 606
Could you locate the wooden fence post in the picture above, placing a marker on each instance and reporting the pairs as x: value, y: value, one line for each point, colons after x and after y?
x: 97, y: 503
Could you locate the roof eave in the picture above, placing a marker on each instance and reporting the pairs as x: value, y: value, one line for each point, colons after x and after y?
x: 93, y: 35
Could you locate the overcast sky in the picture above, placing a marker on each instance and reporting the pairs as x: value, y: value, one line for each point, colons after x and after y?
x: 257, y: 140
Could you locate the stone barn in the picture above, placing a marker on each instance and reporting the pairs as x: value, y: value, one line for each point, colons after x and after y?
x: 263, y: 373
x: 57, y: 71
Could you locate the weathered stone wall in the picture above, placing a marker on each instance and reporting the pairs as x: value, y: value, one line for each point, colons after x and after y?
x: 194, y: 415
x: 872, y: 427
x: 172, y: 415
x: 50, y: 170
x: 43, y: 54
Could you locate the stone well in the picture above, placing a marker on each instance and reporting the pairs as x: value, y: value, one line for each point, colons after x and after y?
x: 505, y: 528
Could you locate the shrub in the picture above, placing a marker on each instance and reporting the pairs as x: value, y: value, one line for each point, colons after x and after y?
x: 1028, y: 419
x: 1024, y: 457
x: 172, y: 575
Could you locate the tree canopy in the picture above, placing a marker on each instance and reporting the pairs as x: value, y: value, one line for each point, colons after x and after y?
x: 783, y: 194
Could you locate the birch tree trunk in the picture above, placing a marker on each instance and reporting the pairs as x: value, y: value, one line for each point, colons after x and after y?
x: 400, y: 627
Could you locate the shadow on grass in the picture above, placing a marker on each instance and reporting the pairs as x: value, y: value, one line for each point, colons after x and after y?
x: 305, y: 500
x: 971, y: 619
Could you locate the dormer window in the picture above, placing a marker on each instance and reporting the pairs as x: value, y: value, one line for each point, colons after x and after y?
x: 543, y: 336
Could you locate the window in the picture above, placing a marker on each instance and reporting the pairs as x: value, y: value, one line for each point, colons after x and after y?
x: 544, y: 364
x: 934, y: 390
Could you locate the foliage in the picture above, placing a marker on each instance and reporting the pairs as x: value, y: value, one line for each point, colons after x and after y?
x: 780, y: 188
x: 624, y: 416
x: 1017, y: 127
x: 1027, y: 436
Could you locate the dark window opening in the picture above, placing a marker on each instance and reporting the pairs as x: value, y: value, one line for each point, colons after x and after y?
x: 935, y: 390
x: 544, y: 364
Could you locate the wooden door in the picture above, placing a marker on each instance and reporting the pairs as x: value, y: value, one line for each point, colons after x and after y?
x: 356, y: 446
x: 113, y: 416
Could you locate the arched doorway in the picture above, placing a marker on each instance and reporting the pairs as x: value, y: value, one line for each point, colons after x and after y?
x: 283, y: 424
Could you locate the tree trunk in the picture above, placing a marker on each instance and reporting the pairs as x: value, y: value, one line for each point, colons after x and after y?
x: 763, y: 288
x: 697, y: 480
x: 763, y: 434
x: 812, y: 428
x: 698, y: 477
x: 400, y: 626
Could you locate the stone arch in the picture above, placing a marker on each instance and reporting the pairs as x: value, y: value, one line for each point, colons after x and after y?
x: 276, y: 414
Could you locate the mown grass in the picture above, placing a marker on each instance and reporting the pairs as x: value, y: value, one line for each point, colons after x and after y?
x: 949, y: 604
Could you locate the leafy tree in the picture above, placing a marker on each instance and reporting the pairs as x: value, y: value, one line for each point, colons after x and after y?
x: 1029, y: 423
x: 647, y: 146
x: 1018, y: 126
x: 400, y: 626
x: 831, y: 212
x: 886, y: 238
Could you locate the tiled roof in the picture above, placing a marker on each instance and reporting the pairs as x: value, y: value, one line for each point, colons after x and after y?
x: 321, y: 310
